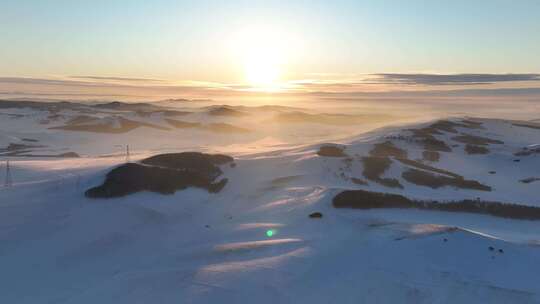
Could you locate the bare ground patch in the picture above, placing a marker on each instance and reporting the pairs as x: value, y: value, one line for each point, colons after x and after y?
x: 374, y: 167
x: 387, y: 149
x: 474, y: 149
x: 332, y: 151
x: 476, y: 140
x: 432, y: 156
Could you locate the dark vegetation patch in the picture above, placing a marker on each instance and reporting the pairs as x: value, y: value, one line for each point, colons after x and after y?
x: 433, y: 144
x: 474, y: 149
x: 332, y: 151
x: 69, y: 155
x: 526, y: 151
x: 446, y: 126
x: 423, y: 166
x: 527, y: 125
x: 471, y: 124
x: 529, y: 180
x: 182, y: 124
x: 476, y: 140
x: 359, y: 181
x: 425, y: 132
x: 426, y: 138
x: 426, y: 135
x: 374, y: 167
x: 14, y: 149
x: 387, y: 149
x: 361, y: 199
x: 165, y: 173
x: 124, y: 126
x: 316, y: 215
x: 432, y: 156
x: 17, y: 147
x: 195, y: 162
x: 225, y: 111
x: 13, y: 116
x: 423, y: 178
x: 379, y: 161
x: 127, y: 106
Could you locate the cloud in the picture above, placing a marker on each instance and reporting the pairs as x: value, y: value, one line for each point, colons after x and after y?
x: 533, y: 93
x: 64, y: 94
x: 78, y: 89
x: 116, y: 78
x: 91, y: 84
x: 451, y: 79
x: 43, y: 81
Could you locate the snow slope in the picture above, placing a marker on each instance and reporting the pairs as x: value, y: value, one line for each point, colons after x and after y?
x: 56, y: 246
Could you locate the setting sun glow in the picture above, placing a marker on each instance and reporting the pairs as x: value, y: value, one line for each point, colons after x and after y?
x: 261, y: 71
x: 261, y: 53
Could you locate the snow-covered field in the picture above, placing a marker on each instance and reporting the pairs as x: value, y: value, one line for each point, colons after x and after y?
x: 254, y: 242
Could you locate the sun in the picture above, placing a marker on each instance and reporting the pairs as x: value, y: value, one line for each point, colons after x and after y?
x: 261, y: 71
x: 261, y: 52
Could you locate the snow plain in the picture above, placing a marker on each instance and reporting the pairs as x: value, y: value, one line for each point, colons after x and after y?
x: 57, y: 246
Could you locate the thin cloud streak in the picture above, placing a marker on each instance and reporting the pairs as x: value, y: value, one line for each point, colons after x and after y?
x: 117, y: 78
x: 451, y: 79
x: 391, y: 85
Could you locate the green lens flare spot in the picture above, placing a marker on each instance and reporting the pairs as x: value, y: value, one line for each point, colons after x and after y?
x: 269, y: 233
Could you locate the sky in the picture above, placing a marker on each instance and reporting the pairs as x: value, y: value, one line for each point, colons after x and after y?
x: 275, y: 45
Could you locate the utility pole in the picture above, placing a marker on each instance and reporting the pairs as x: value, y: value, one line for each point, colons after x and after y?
x: 9, y: 180
x: 128, y: 158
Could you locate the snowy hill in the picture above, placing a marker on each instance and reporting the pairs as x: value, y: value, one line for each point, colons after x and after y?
x: 254, y: 241
x: 94, y: 129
